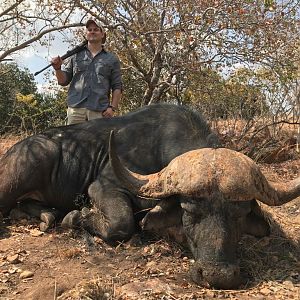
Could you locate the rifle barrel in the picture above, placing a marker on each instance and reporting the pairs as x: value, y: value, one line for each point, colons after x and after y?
x: 40, y: 71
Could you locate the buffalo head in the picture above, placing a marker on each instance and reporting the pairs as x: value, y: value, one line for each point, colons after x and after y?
x: 216, y: 189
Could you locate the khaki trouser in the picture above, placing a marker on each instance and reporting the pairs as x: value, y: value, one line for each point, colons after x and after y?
x: 80, y: 115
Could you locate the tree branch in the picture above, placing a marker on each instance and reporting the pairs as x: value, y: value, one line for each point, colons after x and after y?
x: 36, y: 38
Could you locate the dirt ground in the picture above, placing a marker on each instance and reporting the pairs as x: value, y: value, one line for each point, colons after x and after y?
x: 74, y: 265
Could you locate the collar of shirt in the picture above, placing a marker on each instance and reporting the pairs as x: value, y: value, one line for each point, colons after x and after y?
x: 103, y: 50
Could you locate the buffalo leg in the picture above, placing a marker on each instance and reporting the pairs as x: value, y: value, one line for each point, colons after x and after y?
x: 47, y: 215
x: 111, y: 216
x: 72, y: 220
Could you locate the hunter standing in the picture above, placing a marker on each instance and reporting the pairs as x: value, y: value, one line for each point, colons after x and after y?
x: 94, y: 75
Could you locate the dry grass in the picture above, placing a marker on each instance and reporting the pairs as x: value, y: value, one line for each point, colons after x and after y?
x: 262, y: 143
x: 69, y: 253
x: 6, y: 142
x: 95, y: 289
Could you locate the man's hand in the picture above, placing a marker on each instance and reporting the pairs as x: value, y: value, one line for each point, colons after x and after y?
x: 108, y: 113
x: 56, y: 62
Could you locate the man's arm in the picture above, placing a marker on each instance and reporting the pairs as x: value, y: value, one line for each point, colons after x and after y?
x: 116, y: 97
x: 116, y: 83
x: 62, y: 78
x: 116, y: 87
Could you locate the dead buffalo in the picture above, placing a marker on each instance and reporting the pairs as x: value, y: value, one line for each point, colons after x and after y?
x: 64, y: 166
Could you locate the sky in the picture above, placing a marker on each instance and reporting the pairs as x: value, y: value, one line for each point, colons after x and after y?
x: 37, y: 57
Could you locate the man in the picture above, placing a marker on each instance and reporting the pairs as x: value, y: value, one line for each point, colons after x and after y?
x: 94, y: 76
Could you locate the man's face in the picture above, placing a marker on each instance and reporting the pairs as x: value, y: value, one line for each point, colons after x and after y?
x: 94, y: 34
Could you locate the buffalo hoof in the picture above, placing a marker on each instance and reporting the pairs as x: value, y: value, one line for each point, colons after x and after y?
x: 48, y: 219
x: 72, y: 220
x: 85, y: 212
x: 219, y: 275
x: 43, y: 227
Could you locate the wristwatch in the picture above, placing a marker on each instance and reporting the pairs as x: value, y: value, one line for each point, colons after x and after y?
x: 112, y: 108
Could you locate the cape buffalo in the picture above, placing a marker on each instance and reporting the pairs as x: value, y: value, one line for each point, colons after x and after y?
x: 215, y: 188
x: 62, y: 167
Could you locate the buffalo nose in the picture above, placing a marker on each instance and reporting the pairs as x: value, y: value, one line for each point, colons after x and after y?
x: 216, y: 275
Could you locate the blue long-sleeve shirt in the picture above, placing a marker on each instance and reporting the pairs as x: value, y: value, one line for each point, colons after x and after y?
x: 92, y: 79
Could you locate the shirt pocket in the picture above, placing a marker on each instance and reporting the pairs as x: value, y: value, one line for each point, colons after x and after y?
x: 81, y: 66
x: 102, y: 69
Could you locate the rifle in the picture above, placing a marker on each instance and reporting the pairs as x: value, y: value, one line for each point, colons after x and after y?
x: 69, y: 53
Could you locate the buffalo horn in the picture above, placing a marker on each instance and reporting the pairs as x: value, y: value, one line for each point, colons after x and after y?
x: 131, y: 181
x: 207, y: 173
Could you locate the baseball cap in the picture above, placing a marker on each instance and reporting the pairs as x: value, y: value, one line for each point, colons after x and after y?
x: 96, y: 22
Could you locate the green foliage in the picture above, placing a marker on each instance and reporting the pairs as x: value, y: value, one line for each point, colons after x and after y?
x: 12, y: 81
x: 235, y: 97
x: 134, y: 88
x: 22, y: 108
x: 39, y: 113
